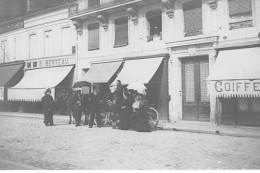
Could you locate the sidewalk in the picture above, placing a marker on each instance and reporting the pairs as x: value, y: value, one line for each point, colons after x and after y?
x: 10, y: 165
x: 185, y: 126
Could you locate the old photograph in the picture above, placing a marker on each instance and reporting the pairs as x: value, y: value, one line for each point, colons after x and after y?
x: 129, y: 85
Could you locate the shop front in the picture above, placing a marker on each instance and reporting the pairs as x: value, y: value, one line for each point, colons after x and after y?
x: 151, y: 71
x: 10, y: 74
x: 55, y: 73
x: 235, y: 82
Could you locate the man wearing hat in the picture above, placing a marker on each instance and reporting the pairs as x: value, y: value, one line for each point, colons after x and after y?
x: 48, y: 107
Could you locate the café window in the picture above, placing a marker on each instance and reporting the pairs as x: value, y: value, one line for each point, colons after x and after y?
x: 17, y: 47
x: 93, y: 36
x: 66, y: 48
x: 93, y: 3
x: 240, y: 14
x: 3, y: 51
x: 121, y: 32
x: 192, y: 18
x: 154, y: 19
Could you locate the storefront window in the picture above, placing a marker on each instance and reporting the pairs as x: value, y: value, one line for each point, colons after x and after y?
x: 256, y: 105
x: 242, y: 104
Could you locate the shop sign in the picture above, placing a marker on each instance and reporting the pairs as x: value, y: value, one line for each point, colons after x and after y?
x: 1, y: 93
x: 239, y: 88
x: 49, y: 63
x: 11, y: 26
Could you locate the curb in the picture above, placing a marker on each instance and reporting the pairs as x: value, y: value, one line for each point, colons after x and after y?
x: 212, y: 132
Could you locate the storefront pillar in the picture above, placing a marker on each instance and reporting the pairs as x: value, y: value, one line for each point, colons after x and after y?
x: 175, y: 103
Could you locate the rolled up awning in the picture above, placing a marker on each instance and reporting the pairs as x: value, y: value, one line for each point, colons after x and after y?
x: 7, y: 73
x: 35, y: 82
x: 101, y: 72
x: 138, y: 70
x: 236, y: 73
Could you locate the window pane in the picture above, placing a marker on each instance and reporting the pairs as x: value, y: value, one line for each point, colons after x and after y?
x: 237, y: 7
x: 204, y: 73
x: 242, y: 104
x: 65, y: 41
x: 93, y: 36
x: 192, y: 18
x: 121, y: 32
x: 154, y: 19
x: 256, y: 105
x: 189, y: 82
x: 47, y: 43
x: 32, y: 46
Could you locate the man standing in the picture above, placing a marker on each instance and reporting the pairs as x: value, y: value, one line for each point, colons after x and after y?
x: 77, y: 110
x: 95, y: 108
x: 48, y: 107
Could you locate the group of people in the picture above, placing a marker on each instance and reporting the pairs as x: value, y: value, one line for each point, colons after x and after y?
x: 128, y: 109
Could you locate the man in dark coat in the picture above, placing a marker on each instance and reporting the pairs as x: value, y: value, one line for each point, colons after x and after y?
x: 48, y: 107
x: 95, y: 107
x: 77, y: 108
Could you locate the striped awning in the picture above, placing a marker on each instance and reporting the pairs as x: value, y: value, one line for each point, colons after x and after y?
x: 35, y: 82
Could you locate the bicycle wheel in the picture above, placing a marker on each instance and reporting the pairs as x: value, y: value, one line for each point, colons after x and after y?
x: 153, y: 116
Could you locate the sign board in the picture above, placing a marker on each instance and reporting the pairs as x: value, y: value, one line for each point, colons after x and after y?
x: 11, y: 26
x: 1, y: 93
x: 50, y: 62
x: 235, y: 88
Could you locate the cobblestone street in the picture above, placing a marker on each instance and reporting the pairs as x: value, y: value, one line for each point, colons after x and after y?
x: 28, y: 141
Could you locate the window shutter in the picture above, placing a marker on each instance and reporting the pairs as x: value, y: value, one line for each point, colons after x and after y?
x: 192, y: 16
x: 239, y: 7
x: 121, y: 32
x: 93, y: 36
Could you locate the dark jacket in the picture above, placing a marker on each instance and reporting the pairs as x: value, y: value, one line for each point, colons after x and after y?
x: 48, y: 102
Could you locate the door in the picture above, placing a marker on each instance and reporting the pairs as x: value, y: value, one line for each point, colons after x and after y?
x: 196, y: 105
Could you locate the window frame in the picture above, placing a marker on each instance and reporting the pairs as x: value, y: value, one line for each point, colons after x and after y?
x: 118, y: 20
x: 88, y: 40
x: 151, y: 37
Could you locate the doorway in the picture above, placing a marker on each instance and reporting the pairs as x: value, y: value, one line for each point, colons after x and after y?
x: 196, y: 102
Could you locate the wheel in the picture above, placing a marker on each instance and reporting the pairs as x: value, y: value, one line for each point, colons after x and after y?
x: 153, y: 116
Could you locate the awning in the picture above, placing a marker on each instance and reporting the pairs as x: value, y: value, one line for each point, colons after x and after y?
x: 35, y: 82
x: 139, y: 70
x: 6, y: 74
x: 101, y: 72
x: 236, y: 73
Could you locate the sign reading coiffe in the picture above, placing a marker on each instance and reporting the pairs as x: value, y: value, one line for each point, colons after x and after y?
x: 239, y: 88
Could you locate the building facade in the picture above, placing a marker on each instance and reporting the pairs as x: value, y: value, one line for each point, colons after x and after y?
x: 42, y: 36
x: 177, y: 48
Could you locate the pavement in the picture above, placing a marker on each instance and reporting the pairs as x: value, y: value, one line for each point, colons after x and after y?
x: 28, y: 141
x: 182, y: 126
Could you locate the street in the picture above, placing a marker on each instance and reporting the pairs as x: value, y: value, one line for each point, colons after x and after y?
x: 63, y: 146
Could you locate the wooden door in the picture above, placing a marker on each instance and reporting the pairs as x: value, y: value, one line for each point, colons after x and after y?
x: 196, y: 105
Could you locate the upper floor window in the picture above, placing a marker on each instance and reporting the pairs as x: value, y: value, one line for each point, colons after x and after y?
x: 93, y: 36
x: 48, y: 43
x: 93, y: 3
x: 65, y: 41
x: 3, y: 51
x: 121, y: 32
x: 32, y: 46
x: 17, y: 47
x: 240, y: 14
x: 192, y: 18
x: 154, y: 19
